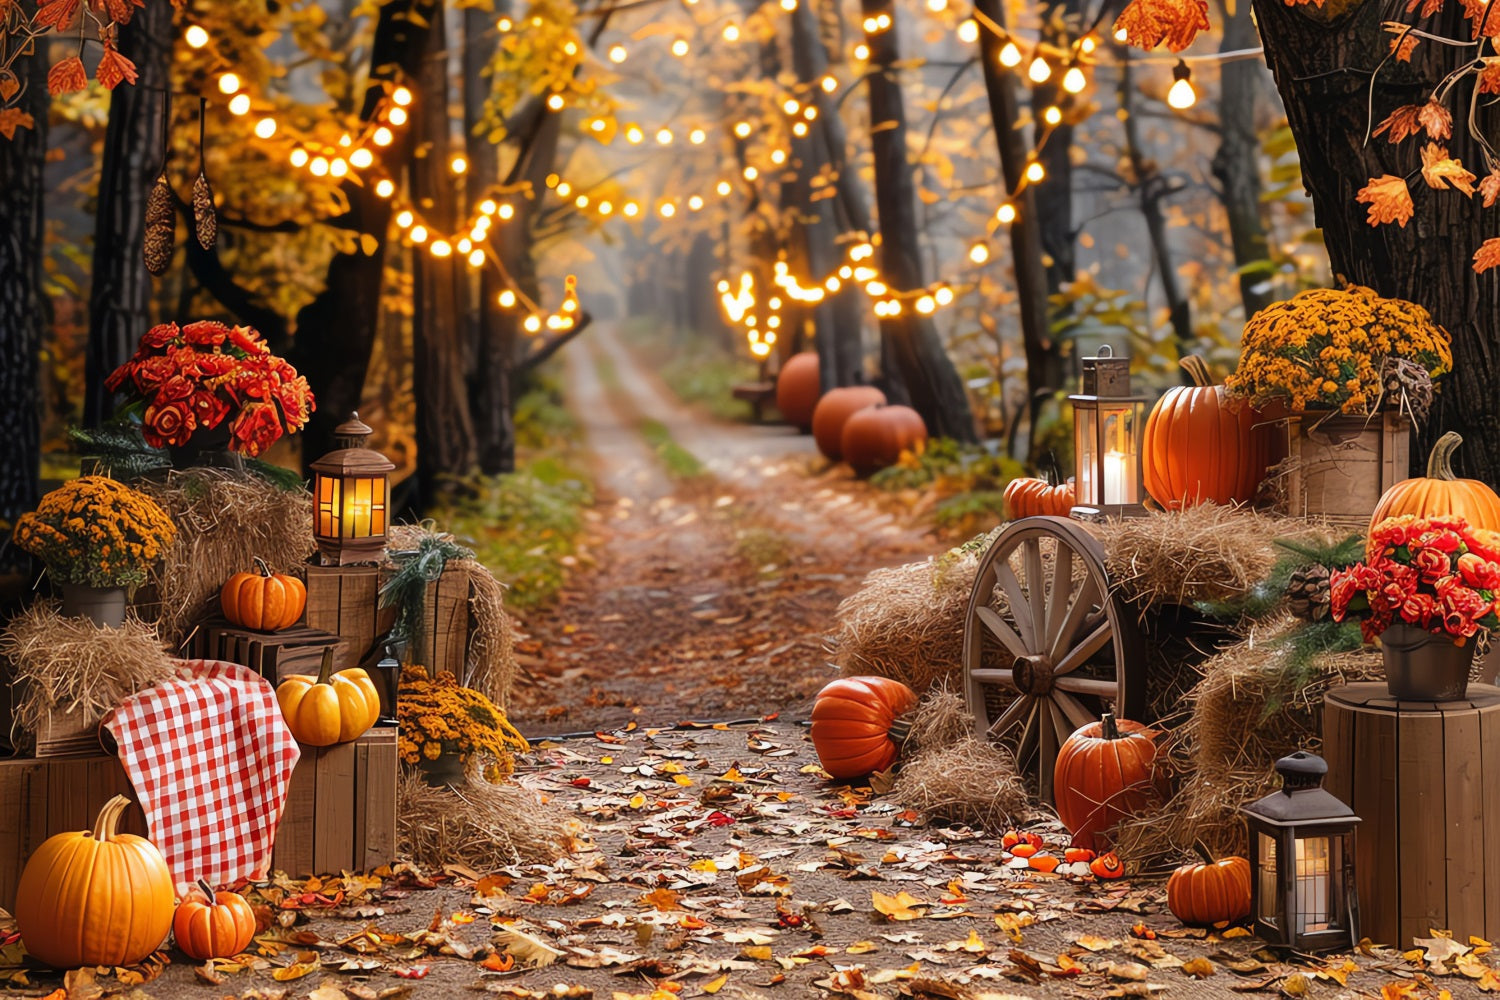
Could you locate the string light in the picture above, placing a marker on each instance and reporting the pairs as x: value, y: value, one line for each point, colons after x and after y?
x: 404, y: 219
x: 506, y: 210
x: 361, y: 158
x: 319, y: 166
x: 240, y: 105
x: 265, y: 128
x: 418, y: 234
x: 441, y: 248
x: 723, y: 188
x: 664, y: 136
x: 476, y: 258
x: 556, y: 102
x: 382, y: 136
x: 731, y: 32
x: 1053, y: 115
x: 667, y: 210
x: 1182, y: 95
x: 633, y: 134
x: 507, y: 299
x: 1039, y: 71
x: 968, y: 31
x: 1010, y: 55
x: 1005, y: 215
x: 533, y: 323
x: 695, y: 203
x: 338, y: 166
x: 397, y: 116
x: 299, y: 157
x: 195, y: 36
x: 385, y: 187
x: 697, y: 136
x: 829, y: 84
x: 1074, y: 81
x: 862, y: 51
x: 617, y: 53
x: 979, y: 252
x: 229, y: 83
x: 799, y: 129
x: 751, y: 173
x: 742, y: 129
x: 1035, y: 172
x: 458, y: 164
x: 1122, y: 36
x: 631, y: 209
x: 680, y: 48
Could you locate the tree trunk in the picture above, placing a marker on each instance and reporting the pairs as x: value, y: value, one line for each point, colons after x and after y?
x: 22, y: 302
x: 1237, y: 163
x: 936, y: 391
x: 1044, y: 360
x: 1322, y: 69
x: 337, y: 329
x: 120, y: 288
x: 445, y: 428
x: 1054, y: 197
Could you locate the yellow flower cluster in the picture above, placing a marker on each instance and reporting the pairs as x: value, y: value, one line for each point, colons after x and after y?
x: 98, y: 532
x: 438, y: 716
x: 1323, y: 349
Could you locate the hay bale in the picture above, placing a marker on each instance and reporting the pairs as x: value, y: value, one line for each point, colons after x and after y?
x: 941, y: 719
x: 480, y: 825
x: 968, y: 781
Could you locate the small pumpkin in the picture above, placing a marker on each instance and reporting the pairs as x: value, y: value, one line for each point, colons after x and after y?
x: 1012, y: 838
x: 95, y: 898
x: 331, y: 707
x: 1106, y: 771
x: 1026, y: 496
x: 1211, y: 891
x: 213, y: 925
x: 834, y: 410
x: 875, y: 437
x: 1045, y: 863
x: 798, y: 387
x: 1441, y: 492
x: 1107, y: 866
x: 1200, y: 445
x: 263, y: 601
x: 1074, y: 855
x: 853, y: 719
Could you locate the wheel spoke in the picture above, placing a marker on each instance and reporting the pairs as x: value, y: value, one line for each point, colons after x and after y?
x: 1059, y: 593
x: 1046, y: 760
x: 1061, y: 725
x: 1036, y: 588
x: 1010, y: 716
x: 1019, y: 610
x: 1079, y: 654
x: 991, y: 675
x: 1072, y: 708
x: 1069, y: 626
x: 1001, y: 630
x: 1087, y: 685
x: 1028, y: 735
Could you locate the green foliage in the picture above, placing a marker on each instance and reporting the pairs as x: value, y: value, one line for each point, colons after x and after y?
x: 699, y: 370
x: 1265, y: 597
x: 406, y: 590
x: 968, y: 511
x: 958, y: 467
x: 540, y: 417
x: 760, y: 547
x: 681, y: 464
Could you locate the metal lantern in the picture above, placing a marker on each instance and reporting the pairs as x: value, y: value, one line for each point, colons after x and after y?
x: 351, y: 491
x: 1302, y: 861
x: 1108, y: 427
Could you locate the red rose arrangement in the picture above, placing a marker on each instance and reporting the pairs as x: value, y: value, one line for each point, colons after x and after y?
x: 197, y: 376
x: 1435, y: 573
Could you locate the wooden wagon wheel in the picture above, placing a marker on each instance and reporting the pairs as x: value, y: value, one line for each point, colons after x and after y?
x: 1059, y: 647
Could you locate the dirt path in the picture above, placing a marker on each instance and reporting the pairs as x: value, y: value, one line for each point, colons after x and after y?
x: 711, y: 596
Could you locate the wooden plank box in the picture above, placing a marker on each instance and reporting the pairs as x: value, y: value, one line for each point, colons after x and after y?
x: 1341, y: 465
x: 273, y: 655
x: 345, y: 600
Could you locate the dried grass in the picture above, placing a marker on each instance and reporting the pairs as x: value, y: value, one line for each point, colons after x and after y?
x: 941, y: 719
x: 968, y: 781
x: 1203, y: 553
x: 72, y: 667
x: 480, y: 825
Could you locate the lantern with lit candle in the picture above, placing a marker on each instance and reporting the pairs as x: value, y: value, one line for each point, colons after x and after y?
x: 1108, y: 426
x: 351, y: 490
x: 1302, y: 861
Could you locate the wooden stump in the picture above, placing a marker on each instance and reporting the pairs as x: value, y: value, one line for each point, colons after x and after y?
x: 1425, y: 778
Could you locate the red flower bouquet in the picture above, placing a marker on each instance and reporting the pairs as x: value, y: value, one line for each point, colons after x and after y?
x: 196, y: 377
x: 1434, y: 573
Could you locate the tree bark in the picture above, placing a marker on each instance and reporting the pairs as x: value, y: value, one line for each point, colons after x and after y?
x: 936, y: 391
x: 120, y: 289
x: 1322, y: 62
x: 1237, y: 163
x: 22, y: 302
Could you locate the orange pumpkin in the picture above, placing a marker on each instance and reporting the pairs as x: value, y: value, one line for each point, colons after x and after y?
x: 1200, y: 445
x: 834, y: 410
x: 1107, y: 866
x: 852, y: 720
x: 264, y: 601
x: 875, y: 437
x: 798, y: 388
x: 213, y: 925
x: 1074, y: 855
x: 1210, y: 892
x: 1029, y: 497
x: 96, y: 897
x: 1441, y: 492
x: 1106, y: 771
x: 1044, y: 862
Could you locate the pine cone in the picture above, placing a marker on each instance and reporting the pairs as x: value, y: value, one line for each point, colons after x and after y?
x: 1307, y: 594
x: 205, y: 216
x: 161, y: 226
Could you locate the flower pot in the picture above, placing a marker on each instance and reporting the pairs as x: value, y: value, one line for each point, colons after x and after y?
x: 104, y: 606
x: 446, y: 771
x: 1425, y: 666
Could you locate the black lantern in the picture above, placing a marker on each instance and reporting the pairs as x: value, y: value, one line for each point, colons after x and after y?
x: 1302, y: 861
x: 1109, y: 425
x: 351, y: 491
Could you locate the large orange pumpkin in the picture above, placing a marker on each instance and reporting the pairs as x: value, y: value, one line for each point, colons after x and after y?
x: 263, y: 601
x: 1029, y: 497
x: 798, y: 388
x: 96, y: 897
x: 875, y: 437
x: 1199, y: 445
x: 331, y: 707
x: 1106, y: 771
x: 834, y: 410
x: 1210, y: 892
x: 1441, y: 492
x: 213, y: 925
x: 851, y: 724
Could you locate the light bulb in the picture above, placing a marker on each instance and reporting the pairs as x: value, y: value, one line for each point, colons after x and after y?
x: 582, y: 201
x: 861, y: 52
x: 791, y: 106
x: 979, y: 252
x: 944, y: 295
x: 1074, y: 81
x: 846, y: 272
x: 419, y: 234
x: 397, y: 116
x: 937, y: 6
x: 265, y: 128
x: 788, y: 5
x: 1035, y: 172
x: 778, y: 156
x: 507, y: 299
x: 556, y: 102
x: 833, y: 284
x: 1010, y: 55
x: 695, y: 203
x: 876, y: 288
x: 871, y: 25
x: 1122, y: 36
x: 564, y: 189
x: 773, y: 323
x: 667, y: 210
x: 533, y: 323
x: 441, y: 248
x: 617, y: 54
x: 742, y: 129
x: 488, y: 206
x: 664, y: 136
x: 810, y: 112
x: 1053, y: 115
x: 505, y: 24
x: 401, y: 96
x: 382, y: 136
x: 723, y: 188
x: 1039, y: 71
x: 229, y: 83
x: 404, y: 219
x: 829, y: 84
x: 926, y: 305
x: 1088, y: 44
x: 385, y: 187
x: 570, y: 47
x: 552, y: 180
x: 458, y: 164
x: 631, y: 209
x: 731, y: 32
x: 633, y: 134
x: 1182, y: 95
x: 506, y: 210
x: 319, y: 167
x: 680, y: 48
x: 598, y: 125
x: 464, y: 246
x: 476, y: 258
x: 799, y: 129
x: 1005, y: 214
x: 195, y: 36
x: 299, y: 157
x: 751, y: 173
x: 361, y: 158
x: 606, y: 207
x: 338, y: 166
x: 697, y: 137
x: 968, y: 31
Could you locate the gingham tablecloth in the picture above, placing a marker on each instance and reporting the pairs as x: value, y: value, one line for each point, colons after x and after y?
x: 210, y: 757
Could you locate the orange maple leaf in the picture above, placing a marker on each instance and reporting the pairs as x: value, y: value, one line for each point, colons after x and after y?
x: 1429, y: 7
x: 119, y: 10
x: 1403, y: 45
x: 1402, y: 122
x: 114, y: 68
x: 1490, y: 188
x: 67, y: 76
x: 59, y: 14
x: 1389, y: 200
x: 1440, y: 170
x: 1475, y: 10
x: 1436, y: 119
x: 12, y: 119
x: 1487, y: 256
x: 1148, y: 23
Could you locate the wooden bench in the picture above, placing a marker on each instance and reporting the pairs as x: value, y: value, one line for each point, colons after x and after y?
x: 757, y: 394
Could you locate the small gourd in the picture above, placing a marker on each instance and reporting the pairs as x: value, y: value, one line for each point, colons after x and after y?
x: 263, y: 601
x: 331, y: 707
x: 213, y: 925
x: 852, y: 723
x: 1211, y: 891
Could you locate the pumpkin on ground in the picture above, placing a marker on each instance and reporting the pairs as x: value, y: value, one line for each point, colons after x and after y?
x: 852, y: 722
x: 1200, y: 445
x: 331, y: 707
x: 834, y: 410
x: 96, y: 897
x: 1106, y: 771
x: 875, y: 437
x: 1210, y: 892
x: 1107, y: 866
x: 1026, y: 496
x: 213, y: 925
x: 264, y: 601
x: 798, y: 388
x: 1440, y: 492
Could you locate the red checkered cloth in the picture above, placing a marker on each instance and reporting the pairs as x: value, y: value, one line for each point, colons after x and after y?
x: 210, y: 757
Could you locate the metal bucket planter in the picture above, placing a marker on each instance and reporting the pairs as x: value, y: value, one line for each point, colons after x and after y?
x: 1425, y: 666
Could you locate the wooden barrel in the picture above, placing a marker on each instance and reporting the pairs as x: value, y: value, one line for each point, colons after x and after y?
x: 1425, y: 779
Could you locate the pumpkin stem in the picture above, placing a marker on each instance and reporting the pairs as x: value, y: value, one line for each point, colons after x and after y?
x: 1440, y: 461
x: 1197, y: 370
x: 900, y: 730
x: 1203, y: 851
x: 1107, y: 726
x: 207, y: 890
x: 265, y: 569
x: 325, y: 670
x: 109, y: 818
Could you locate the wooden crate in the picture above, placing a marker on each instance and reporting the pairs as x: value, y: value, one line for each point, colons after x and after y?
x: 273, y: 655
x: 345, y: 600
x: 1340, y: 466
x: 1425, y: 779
